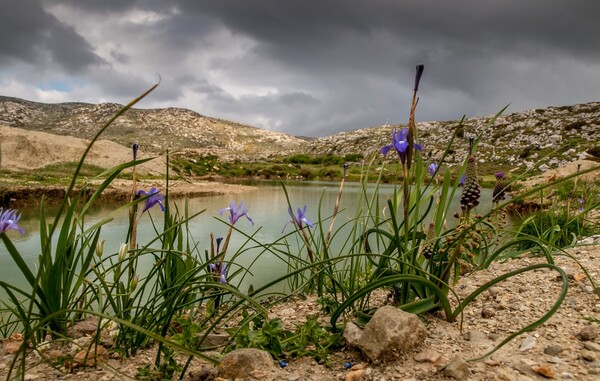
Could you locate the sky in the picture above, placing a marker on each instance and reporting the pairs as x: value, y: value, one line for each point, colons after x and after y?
x: 304, y: 67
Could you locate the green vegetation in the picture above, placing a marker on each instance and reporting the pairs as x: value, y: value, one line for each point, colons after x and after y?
x: 301, y: 167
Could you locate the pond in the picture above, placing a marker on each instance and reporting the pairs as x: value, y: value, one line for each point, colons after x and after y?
x: 267, y: 207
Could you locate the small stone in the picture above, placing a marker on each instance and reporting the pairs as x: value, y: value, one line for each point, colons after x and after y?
x: 587, y: 355
x: 428, y: 356
x: 494, y: 291
x: 545, y: 370
x: 354, y: 375
x: 83, y: 328
x: 12, y: 347
x: 241, y: 362
x: 91, y: 356
x: 553, y: 350
x: 590, y: 345
x: 474, y: 336
x: 362, y: 365
x: 504, y: 374
x: 527, y: 344
x: 457, y: 369
x: 524, y: 366
x: 555, y: 360
x: 487, y: 312
x: 588, y: 333
x: 571, y: 301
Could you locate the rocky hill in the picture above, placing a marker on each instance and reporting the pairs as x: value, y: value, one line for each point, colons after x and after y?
x: 154, y: 129
x: 540, y: 139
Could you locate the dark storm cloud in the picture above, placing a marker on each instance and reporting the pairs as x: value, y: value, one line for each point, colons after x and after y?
x: 316, y: 67
x: 29, y: 34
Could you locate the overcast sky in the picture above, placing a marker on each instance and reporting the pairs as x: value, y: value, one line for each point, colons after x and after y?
x: 308, y: 68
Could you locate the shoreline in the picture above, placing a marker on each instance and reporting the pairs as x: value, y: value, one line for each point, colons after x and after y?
x: 14, y: 196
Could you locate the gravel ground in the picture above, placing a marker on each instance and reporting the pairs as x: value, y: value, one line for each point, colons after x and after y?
x: 566, y: 347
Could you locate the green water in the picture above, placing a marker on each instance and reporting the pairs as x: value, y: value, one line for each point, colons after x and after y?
x: 267, y: 207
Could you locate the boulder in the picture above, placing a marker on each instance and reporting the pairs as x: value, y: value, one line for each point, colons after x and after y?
x: 389, y: 333
x: 245, y: 362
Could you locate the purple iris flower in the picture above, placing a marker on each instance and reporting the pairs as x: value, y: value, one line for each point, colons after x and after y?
x: 499, y: 175
x: 8, y: 221
x: 235, y: 213
x: 432, y: 169
x: 154, y: 198
x: 223, y: 275
x: 219, y: 270
x: 400, y: 143
x: 300, y: 219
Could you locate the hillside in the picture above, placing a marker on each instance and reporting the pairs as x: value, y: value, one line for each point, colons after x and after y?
x: 156, y: 130
x: 541, y: 139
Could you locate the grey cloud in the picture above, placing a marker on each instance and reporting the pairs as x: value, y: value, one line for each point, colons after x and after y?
x: 30, y: 34
x: 315, y: 68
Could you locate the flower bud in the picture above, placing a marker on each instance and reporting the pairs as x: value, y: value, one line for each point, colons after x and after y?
x: 100, y: 248
x: 123, y: 249
x: 418, y: 75
x: 134, y: 282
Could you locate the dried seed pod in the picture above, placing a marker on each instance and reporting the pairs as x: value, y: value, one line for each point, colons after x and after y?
x: 471, y: 191
x: 429, y: 248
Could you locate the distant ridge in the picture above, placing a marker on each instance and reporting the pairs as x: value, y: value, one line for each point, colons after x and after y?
x: 539, y: 138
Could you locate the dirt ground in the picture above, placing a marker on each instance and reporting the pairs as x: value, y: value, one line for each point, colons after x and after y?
x: 567, y: 347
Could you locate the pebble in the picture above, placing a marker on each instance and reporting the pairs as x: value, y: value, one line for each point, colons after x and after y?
x: 588, y: 333
x: 545, y: 370
x: 553, y: 350
x: 457, y: 369
x: 590, y: 345
x: 428, y: 356
x: 487, y: 312
x: 527, y: 344
x: 587, y: 355
x: 556, y: 360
